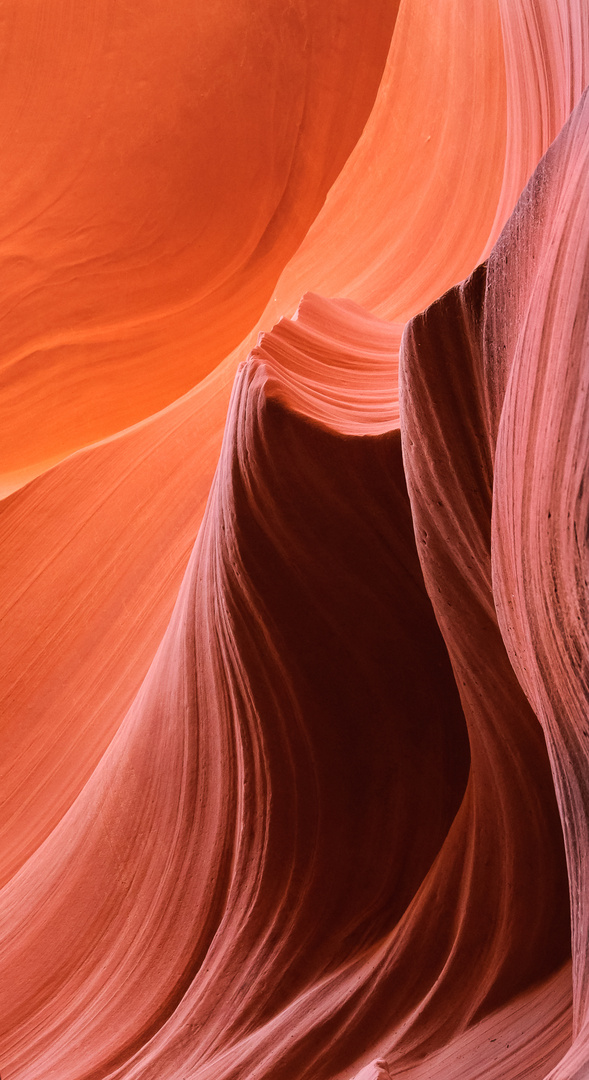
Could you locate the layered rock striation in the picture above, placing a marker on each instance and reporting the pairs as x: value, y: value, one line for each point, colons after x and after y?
x: 294, y: 718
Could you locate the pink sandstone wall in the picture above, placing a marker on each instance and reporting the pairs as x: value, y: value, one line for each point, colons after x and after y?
x: 294, y: 716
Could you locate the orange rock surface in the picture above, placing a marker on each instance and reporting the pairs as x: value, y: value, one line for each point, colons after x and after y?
x: 293, y: 718
x: 161, y: 165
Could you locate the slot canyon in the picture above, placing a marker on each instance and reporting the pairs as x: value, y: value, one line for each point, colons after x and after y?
x: 294, y: 534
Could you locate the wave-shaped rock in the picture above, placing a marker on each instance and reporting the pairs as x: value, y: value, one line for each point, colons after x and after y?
x: 280, y: 787
x: 314, y: 843
x: 119, y: 521
x: 494, y: 413
x: 540, y: 502
x: 75, y: 656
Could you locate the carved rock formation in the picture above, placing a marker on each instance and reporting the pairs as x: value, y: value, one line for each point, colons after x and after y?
x: 294, y: 719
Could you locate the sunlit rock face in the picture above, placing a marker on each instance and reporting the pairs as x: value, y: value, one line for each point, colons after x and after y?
x: 160, y: 167
x: 294, y: 681
x: 540, y: 511
x: 284, y: 780
x: 494, y: 384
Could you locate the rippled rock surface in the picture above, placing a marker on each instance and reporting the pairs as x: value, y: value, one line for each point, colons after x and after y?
x: 294, y: 715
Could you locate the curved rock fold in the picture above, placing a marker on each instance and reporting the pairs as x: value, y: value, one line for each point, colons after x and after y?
x: 295, y: 738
